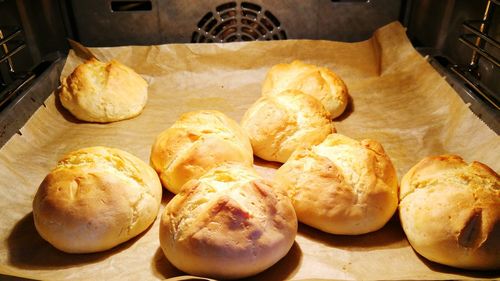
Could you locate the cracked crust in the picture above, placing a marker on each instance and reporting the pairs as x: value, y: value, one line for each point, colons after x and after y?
x: 228, y: 224
x: 319, y: 82
x: 450, y: 212
x: 197, y: 142
x: 278, y: 125
x: 96, y: 198
x: 341, y: 186
x: 103, y: 92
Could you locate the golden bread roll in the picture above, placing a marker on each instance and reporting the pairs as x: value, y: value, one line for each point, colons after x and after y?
x: 319, y: 82
x: 197, y: 142
x: 341, y: 186
x: 450, y: 212
x: 103, y: 92
x: 96, y: 198
x: 279, y: 124
x: 227, y: 224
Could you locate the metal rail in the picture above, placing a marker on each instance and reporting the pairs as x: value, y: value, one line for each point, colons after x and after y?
x: 476, y: 38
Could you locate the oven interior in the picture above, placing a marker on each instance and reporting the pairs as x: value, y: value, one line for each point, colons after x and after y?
x: 459, y: 37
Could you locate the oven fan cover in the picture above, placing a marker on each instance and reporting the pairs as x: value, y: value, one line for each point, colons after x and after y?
x: 234, y: 21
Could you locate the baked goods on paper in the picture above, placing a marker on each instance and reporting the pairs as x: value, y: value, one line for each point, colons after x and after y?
x: 96, y: 198
x: 197, y: 142
x: 450, y: 212
x: 103, y: 92
x: 279, y: 124
x: 319, y: 82
x: 428, y: 119
x: 228, y: 224
x: 341, y: 186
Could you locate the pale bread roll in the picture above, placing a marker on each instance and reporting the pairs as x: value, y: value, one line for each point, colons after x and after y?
x: 96, y: 198
x: 228, y: 224
x: 103, y: 92
x: 450, y: 212
x: 319, y: 82
x: 197, y: 142
x: 341, y: 186
x: 277, y: 125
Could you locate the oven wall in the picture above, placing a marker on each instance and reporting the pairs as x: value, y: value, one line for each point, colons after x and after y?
x: 169, y: 21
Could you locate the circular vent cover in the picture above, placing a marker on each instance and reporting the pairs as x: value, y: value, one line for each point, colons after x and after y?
x: 234, y: 21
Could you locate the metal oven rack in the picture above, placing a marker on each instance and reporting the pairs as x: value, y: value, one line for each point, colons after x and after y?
x: 22, y: 92
x: 10, y: 80
x: 478, y: 40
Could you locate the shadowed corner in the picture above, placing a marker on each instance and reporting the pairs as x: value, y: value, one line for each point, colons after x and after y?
x: 64, y: 112
x: 281, y: 270
x: 348, y: 110
x: 13, y: 278
x: 166, y: 196
x: 489, y: 274
x: 266, y: 169
x: 266, y: 164
x: 28, y: 250
x: 391, y: 236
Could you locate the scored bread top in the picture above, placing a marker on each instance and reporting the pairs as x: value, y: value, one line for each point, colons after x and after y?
x: 227, y: 224
x: 450, y: 211
x: 96, y: 198
x: 195, y: 143
x: 278, y: 125
x: 341, y: 186
x: 319, y: 82
x: 103, y: 92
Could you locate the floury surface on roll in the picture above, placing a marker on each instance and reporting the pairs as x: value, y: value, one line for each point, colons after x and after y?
x: 95, y: 199
x: 341, y: 186
x: 450, y: 212
x: 228, y: 224
x: 104, y: 92
x: 197, y: 142
x: 278, y: 125
x: 319, y: 82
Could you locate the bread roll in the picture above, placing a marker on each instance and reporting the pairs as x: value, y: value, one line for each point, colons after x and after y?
x: 196, y: 143
x: 228, y: 224
x: 450, y: 212
x: 95, y: 199
x: 279, y: 124
x: 341, y: 186
x: 103, y: 92
x: 319, y: 82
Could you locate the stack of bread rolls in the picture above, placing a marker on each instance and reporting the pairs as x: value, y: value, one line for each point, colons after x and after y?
x: 225, y: 220
x: 336, y: 184
x: 296, y: 108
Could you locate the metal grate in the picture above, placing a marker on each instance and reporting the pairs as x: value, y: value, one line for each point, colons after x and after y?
x: 10, y: 80
x: 478, y: 40
x: 234, y: 21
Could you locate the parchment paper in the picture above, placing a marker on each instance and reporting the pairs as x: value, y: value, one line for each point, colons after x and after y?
x: 397, y: 99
